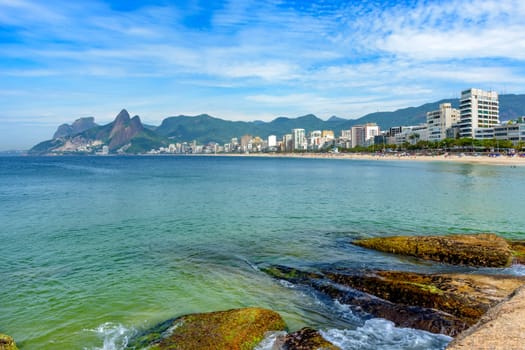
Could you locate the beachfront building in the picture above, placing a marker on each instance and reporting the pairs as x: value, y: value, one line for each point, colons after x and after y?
x: 315, y: 141
x: 479, y: 109
x: 514, y: 132
x: 412, y: 134
x: 299, y: 140
x: 272, y: 141
x: 287, y: 144
x: 440, y: 120
x: 363, y: 135
x: 346, y: 135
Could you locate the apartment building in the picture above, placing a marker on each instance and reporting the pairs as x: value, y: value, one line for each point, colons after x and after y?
x: 479, y: 109
x: 440, y: 120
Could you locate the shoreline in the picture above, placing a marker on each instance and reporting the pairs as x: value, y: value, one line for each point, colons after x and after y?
x: 467, y: 159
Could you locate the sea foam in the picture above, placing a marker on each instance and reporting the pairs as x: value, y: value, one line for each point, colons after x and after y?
x: 114, y: 336
x: 378, y: 334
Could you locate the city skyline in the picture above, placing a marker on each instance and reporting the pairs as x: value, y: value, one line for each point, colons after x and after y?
x: 246, y: 60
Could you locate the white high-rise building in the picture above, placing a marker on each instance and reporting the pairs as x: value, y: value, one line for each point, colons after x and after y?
x: 272, y: 141
x: 479, y: 109
x: 439, y: 121
x: 299, y: 140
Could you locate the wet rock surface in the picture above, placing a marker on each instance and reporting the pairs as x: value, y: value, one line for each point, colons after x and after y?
x: 518, y: 251
x: 438, y: 303
x: 238, y: 329
x: 488, y: 250
x: 7, y: 343
x: 304, y: 339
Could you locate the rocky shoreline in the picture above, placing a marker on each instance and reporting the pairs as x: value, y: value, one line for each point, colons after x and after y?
x: 482, y: 311
x: 460, y: 305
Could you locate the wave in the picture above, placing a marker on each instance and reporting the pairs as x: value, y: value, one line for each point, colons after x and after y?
x: 380, y: 334
x: 114, y: 336
x: 375, y: 334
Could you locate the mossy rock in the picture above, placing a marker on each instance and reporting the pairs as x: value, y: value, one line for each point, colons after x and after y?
x: 466, y: 296
x: 485, y: 249
x: 518, y: 251
x: 305, y: 339
x: 403, y: 315
x: 438, y: 303
x: 7, y: 343
x: 238, y: 329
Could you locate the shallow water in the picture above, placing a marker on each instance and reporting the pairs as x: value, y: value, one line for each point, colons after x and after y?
x: 96, y: 248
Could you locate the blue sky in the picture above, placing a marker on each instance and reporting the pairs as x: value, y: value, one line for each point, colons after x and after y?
x: 246, y: 60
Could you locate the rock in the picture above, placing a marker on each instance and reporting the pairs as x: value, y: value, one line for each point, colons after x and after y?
x: 238, y: 329
x: 7, y: 343
x: 501, y: 327
x: 474, y: 250
x: 304, y: 339
x: 466, y: 296
x: 408, y: 316
x: 518, y: 251
x: 438, y: 303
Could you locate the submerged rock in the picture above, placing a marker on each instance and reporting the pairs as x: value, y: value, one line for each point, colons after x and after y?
x: 238, y: 329
x: 7, y: 343
x: 438, y: 303
x: 473, y: 250
x: 304, y: 339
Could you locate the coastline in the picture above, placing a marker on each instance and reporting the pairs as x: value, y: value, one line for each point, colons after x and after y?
x: 481, y: 159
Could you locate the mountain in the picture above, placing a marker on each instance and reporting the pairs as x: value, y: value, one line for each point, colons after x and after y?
x: 124, y: 135
x: 204, y: 128
x: 77, y: 127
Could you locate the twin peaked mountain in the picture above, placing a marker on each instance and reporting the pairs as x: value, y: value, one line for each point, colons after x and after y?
x: 129, y: 135
x: 124, y: 134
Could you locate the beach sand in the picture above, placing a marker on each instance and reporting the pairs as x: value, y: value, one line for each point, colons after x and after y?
x: 480, y: 159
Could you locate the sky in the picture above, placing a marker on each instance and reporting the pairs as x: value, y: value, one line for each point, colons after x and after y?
x: 246, y: 60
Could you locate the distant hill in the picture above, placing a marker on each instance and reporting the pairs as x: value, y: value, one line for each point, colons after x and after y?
x: 124, y: 134
x: 129, y: 135
x: 77, y: 127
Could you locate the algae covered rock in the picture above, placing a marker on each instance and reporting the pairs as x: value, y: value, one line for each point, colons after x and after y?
x: 466, y: 296
x: 7, y: 343
x: 483, y: 249
x: 305, y: 339
x: 403, y: 315
x: 518, y: 251
x: 238, y: 329
x: 438, y: 303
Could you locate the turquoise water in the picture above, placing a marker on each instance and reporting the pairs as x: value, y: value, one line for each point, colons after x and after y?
x: 95, y: 249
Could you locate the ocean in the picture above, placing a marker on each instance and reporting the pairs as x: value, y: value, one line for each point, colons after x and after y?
x: 96, y: 249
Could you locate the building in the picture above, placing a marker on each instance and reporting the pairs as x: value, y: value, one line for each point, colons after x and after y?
x: 440, y: 120
x: 514, y: 132
x: 346, y: 135
x: 478, y: 110
x: 363, y: 135
x: 287, y: 144
x: 246, y: 143
x: 272, y: 141
x: 412, y: 134
x: 315, y: 141
x: 299, y: 142
x: 328, y: 135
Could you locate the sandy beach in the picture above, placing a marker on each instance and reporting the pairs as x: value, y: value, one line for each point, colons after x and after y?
x: 479, y: 159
